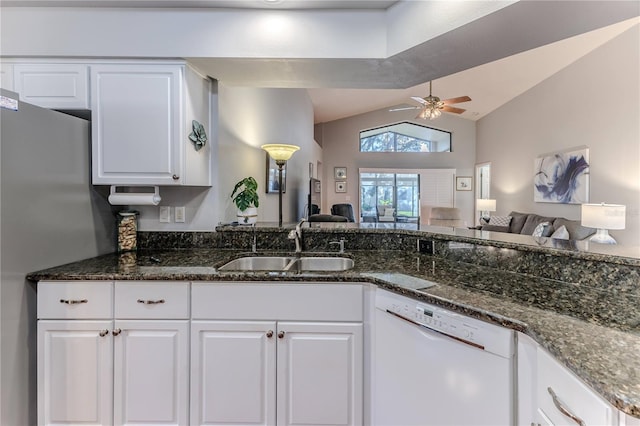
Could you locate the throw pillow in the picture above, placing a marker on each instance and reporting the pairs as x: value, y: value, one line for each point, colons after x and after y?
x: 517, y: 221
x: 533, y: 220
x: 500, y: 220
x: 388, y: 212
x: 561, y: 233
x: 541, y: 229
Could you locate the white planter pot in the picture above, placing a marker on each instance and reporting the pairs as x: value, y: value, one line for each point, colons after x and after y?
x: 248, y: 216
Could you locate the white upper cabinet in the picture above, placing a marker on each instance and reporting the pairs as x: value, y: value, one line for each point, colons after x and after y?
x: 141, y: 121
x: 57, y: 86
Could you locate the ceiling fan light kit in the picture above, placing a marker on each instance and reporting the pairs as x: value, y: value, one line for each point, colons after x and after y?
x: 432, y: 106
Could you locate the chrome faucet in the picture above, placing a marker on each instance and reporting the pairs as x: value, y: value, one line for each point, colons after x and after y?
x: 296, y: 234
x: 341, y: 243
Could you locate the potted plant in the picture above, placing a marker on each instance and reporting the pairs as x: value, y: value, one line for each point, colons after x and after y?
x: 245, y: 196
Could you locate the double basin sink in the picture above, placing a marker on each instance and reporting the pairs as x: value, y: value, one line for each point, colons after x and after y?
x: 288, y: 264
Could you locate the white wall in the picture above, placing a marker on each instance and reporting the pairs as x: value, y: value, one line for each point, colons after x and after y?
x: 243, y: 119
x: 340, y: 143
x: 594, y: 102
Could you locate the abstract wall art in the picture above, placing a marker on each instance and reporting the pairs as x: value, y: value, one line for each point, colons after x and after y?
x: 562, y: 177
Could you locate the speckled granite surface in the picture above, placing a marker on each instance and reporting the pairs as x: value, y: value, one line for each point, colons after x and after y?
x: 591, y: 325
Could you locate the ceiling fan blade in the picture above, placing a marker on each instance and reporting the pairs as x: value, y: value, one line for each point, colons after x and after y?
x: 419, y: 99
x: 457, y: 100
x: 405, y: 108
x: 453, y: 109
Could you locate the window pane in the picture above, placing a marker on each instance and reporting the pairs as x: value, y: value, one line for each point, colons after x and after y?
x: 405, y: 137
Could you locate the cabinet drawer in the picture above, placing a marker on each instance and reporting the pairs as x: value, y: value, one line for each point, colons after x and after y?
x: 75, y: 300
x: 264, y: 301
x: 152, y: 300
x: 571, y: 392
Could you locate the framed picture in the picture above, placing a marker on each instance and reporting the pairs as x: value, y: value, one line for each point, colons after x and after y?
x: 272, y: 176
x: 340, y: 172
x: 341, y: 186
x: 562, y: 177
x: 464, y: 183
x: 317, y: 187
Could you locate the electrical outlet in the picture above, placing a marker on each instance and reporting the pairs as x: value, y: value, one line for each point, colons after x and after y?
x: 180, y: 214
x: 165, y: 214
x: 425, y: 246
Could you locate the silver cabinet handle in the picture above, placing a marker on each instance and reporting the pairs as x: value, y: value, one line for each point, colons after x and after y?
x: 151, y: 302
x: 103, y: 333
x: 73, y: 302
x: 280, y: 334
x: 116, y: 332
x: 270, y: 334
x: 564, y: 410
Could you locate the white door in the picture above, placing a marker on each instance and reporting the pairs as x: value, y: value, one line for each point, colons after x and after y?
x: 151, y: 372
x: 136, y: 124
x: 320, y: 367
x: 233, y: 365
x: 75, y: 372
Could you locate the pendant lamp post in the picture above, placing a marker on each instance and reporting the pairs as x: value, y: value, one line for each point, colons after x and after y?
x: 280, y: 153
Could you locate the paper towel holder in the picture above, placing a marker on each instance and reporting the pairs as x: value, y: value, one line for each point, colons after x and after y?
x: 134, y: 198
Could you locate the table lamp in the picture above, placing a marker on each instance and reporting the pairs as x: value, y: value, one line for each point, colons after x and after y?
x: 603, y: 217
x: 485, y: 205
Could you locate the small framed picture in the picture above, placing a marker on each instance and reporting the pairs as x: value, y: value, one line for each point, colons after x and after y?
x: 318, y: 186
x: 340, y: 173
x: 463, y: 183
x: 341, y: 186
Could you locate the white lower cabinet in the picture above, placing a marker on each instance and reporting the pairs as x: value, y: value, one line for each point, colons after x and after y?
x: 112, y: 371
x: 289, y: 366
x: 75, y: 379
x: 551, y: 395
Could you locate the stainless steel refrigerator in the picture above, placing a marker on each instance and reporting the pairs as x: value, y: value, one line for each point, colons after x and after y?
x: 49, y: 215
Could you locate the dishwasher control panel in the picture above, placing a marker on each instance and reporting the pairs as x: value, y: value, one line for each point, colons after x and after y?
x: 460, y: 327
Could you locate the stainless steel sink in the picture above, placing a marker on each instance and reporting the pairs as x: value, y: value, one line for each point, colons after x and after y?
x: 257, y: 263
x: 323, y: 264
x: 288, y: 263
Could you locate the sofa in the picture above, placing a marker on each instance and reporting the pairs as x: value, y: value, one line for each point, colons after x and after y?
x: 539, y: 226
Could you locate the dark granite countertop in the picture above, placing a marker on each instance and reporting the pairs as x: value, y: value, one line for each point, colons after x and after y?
x: 579, y: 325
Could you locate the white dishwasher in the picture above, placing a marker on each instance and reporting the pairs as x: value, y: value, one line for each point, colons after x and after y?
x: 434, y: 367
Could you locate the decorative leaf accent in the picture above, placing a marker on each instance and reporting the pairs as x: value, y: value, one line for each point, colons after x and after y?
x: 198, y: 135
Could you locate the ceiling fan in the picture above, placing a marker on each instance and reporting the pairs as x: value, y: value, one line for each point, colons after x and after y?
x: 432, y: 105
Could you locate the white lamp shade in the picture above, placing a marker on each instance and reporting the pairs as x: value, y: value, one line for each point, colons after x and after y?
x: 279, y: 151
x: 485, y: 205
x: 603, y: 216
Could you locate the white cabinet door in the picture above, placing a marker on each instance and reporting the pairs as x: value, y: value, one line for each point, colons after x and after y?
x: 75, y: 372
x: 136, y: 124
x: 320, y: 367
x: 60, y: 86
x: 151, y: 372
x: 233, y: 366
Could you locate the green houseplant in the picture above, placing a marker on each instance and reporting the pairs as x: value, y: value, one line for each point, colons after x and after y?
x: 245, y: 197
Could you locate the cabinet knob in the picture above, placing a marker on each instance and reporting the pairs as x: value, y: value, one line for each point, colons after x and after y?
x: 280, y: 334
x: 103, y: 333
x: 270, y: 334
x: 116, y: 332
x: 175, y: 177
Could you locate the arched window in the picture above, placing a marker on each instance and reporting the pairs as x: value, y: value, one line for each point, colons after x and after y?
x: 405, y: 137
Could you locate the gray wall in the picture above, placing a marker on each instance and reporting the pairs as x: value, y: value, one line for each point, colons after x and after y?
x: 593, y: 102
x: 50, y: 216
x: 340, y: 143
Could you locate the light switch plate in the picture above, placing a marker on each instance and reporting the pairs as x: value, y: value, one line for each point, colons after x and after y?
x: 180, y: 214
x: 165, y: 214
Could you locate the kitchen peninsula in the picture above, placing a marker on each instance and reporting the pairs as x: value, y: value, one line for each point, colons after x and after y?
x: 579, y: 303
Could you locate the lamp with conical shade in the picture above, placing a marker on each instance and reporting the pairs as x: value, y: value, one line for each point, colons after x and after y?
x: 280, y: 153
